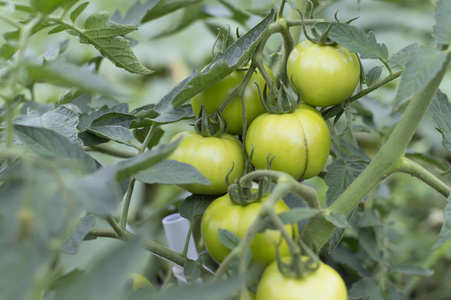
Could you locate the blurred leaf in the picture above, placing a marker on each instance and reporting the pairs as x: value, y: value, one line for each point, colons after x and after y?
x: 442, y: 29
x: 49, y: 144
x: 234, y: 56
x: 355, y: 39
x: 393, y: 294
x: 352, y: 260
x: 366, y: 288
x: 440, y: 108
x: 195, y: 205
x: 79, y: 234
x: 341, y: 173
x: 409, y: 269
x: 400, y: 58
x: 367, y: 239
x: 63, y: 120
x: 192, y: 270
x: 65, y: 74
x: 172, y: 172
x: 434, y: 160
x: 424, y: 64
x: 7, y: 51
x: 103, y: 280
x: 445, y: 231
x: 238, y: 14
x: 373, y: 75
x: 369, y: 218
x: 188, y: 17
x: 228, y: 238
x: 337, y: 219
x: 68, y: 96
x: 18, y: 6
x: 76, y: 12
x: 128, y: 167
x: 46, y: 6
x: 108, y: 38
x: 98, y: 192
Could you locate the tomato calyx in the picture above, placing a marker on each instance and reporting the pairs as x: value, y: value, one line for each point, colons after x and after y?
x: 245, y: 193
x: 284, y: 103
x: 210, y: 125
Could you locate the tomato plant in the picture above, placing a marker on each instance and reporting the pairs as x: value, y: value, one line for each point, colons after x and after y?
x: 322, y: 284
x: 325, y: 75
x: 215, y: 95
x: 216, y: 158
x: 223, y: 213
x: 299, y: 142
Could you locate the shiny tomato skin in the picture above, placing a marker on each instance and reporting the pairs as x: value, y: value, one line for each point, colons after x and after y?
x: 325, y: 75
x: 300, y: 142
x: 213, y: 97
x: 223, y: 213
x: 213, y: 157
x: 323, y: 284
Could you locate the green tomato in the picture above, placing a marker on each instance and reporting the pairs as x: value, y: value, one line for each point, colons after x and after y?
x: 325, y: 75
x: 139, y: 281
x: 299, y: 141
x: 213, y: 157
x: 213, y: 97
x: 322, y: 284
x: 225, y: 214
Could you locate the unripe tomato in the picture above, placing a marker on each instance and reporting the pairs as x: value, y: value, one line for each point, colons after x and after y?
x: 323, y: 284
x: 225, y: 214
x: 300, y: 142
x: 139, y: 281
x: 325, y: 75
x: 213, y: 157
x: 213, y: 97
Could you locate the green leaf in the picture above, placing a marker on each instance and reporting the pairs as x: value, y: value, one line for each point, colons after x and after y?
x: 172, y: 172
x: 164, y: 7
x: 108, y: 37
x: 188, y: 17
x: 445, y: 231
x: 7, y: 51
x: 442, y: 29
x: 128, y: 167
x: 76, y: 12
x: 368, y: 241
x: 63, y: 120
x: 424, y: 64
x: 228, y: 238
x: 57, y: 29
x: 410, y: 269
x: 400, y: 58
x: 49, y: 144
x: 366, y: 288
x: 65, y: 74
x: 341, y: 173
x: 115, y: 133
x: 87, y: 119
x: 373, y: 75
x: 355, y: 39
x: 441, y: 113
x: 369, y: 218
x: 79, y: 234
x: 103, y: 279
x: 337, y: 219
x: 434, y: 160
x: 192, y: 270
x: 195, y: 205
x: 234, y: 56
x: 46, y: 6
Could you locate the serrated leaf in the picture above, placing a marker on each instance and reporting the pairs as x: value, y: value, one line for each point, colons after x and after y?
x: 76, y: 12
x: 440, y: 108
x: 355, y: 39
x: 366, y: 288
x: 422, y: 67
x: 108, y: 38
x: 410, y: 269
x: 400, y: 58
x: 234, y: 56
x: 373, y: 75
x: 442, y: 29
x: 79, y: 234
x: 50, y: 144
x: 228, y: 238
x: 445, y: 231
x: 63, y: 120
x: 340, y: 174
x: 65, y: 74
x: 337, y: 219
x: 172, y: 172
x: 195, y: 205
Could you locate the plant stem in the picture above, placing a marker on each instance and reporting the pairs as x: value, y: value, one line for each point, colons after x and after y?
x: 410, y: 167
x: 188, y: 237
x: 387, y: 160
x: 111, y: 151
x: 238, y: 91
x: 375, y: 86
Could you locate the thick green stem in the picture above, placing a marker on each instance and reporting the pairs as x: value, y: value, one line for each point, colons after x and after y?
x: 288, y: 44
x: 410, y: 167
x: 387, y: 160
